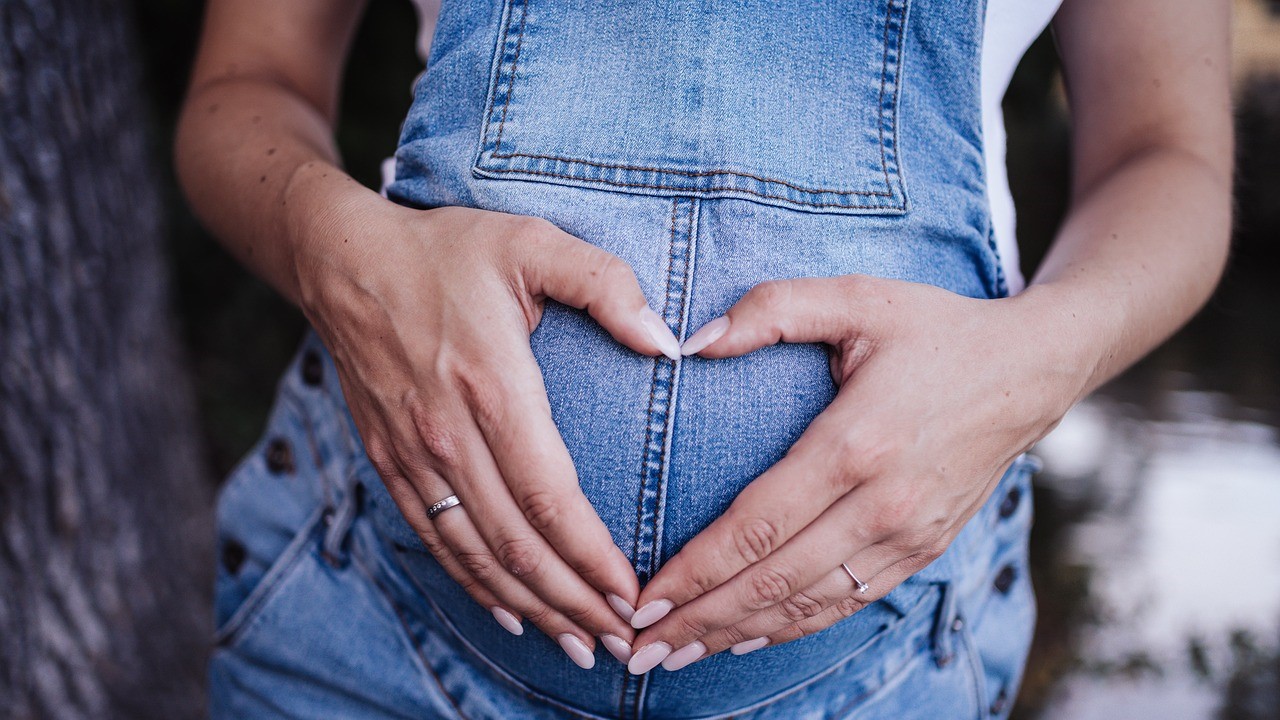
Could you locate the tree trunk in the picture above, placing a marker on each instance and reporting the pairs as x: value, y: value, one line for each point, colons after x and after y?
x: 104, y: 510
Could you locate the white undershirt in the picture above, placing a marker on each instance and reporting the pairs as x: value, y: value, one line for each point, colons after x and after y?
x: 1010, y: 28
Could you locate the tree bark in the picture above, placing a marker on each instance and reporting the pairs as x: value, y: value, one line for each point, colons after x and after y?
x: 105, y: 537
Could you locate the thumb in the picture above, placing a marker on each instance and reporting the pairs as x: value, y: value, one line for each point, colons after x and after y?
x: 581, y: 275
x: 802, y: 310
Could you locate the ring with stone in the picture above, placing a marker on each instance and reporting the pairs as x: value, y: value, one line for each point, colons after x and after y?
x: 442, y: 505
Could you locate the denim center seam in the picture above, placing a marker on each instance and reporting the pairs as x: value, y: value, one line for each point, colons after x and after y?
x: 660, y: 416
x: 890, y: 74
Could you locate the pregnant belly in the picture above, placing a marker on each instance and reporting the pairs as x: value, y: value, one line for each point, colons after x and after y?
x: 662, y: 448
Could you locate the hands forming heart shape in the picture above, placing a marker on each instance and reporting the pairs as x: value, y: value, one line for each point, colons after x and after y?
x: 938, y: 394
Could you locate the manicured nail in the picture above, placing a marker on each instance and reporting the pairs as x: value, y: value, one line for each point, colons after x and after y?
x: 660, y: 334
x: 706, y: 335
x: 651, y: 613
x: 509, y: 622
x: 617, y: 647
x: 684, y: 656
x: 648, y: 657
x: 747, y: 646
x: 620, y: 606
x: 577, y: 651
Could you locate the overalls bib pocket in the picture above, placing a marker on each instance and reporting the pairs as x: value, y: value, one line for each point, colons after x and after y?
x: 770, y: 103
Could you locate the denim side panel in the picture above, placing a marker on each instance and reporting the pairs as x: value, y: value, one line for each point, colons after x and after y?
x: 591, y: 94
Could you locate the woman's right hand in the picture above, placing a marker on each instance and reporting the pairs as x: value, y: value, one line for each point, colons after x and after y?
x: 427, y: 314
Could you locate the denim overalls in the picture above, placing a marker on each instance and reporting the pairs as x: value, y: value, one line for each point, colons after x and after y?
x: 710, y: 145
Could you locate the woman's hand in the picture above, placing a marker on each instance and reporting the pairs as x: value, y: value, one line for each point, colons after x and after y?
x: 938, y: 394
x: 428, y: 316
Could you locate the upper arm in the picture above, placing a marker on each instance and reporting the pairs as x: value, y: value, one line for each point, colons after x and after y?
x: 299, y: 44
x: 1144, y: 75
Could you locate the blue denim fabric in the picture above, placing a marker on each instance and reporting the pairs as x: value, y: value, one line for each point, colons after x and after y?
x: 711, y: 146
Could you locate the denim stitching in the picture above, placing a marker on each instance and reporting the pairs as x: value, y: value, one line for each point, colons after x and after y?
x: 884, y: 72
x: 498, y: 60
x: 650, y: 186
x: 699, y: 173
x: 659, y: 416
x: 682, y: 317
x: 511, y: 80
x: 653, y: 391
x: 495, y: 154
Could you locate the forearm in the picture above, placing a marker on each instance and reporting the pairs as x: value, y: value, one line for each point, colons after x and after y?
x: 1139, y: 253
x: 259, y: 167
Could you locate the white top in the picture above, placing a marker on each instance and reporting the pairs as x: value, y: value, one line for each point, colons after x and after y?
x: 1010, y: 28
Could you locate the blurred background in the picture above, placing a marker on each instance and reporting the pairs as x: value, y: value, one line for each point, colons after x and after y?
x: 1157, y: 542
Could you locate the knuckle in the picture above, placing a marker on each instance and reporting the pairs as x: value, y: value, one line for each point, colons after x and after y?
x: 771, y: 295
x: 438, y: 439
x: 800, y: 606
x: 480, y: 565
x: 688, y: 626
x: 434, y: 544
x: 702, y: 579
x: 520, y: 556
x: 381, y: 458
x: 580, y: 616
x: 755, y: 538
x: 787, y: 634
x: 610, y: 269
x: 848, y: 606
x: 733, y: 635
x: 543, y: 508
x: 770, y: 586
x: 538, y: 614
x: 873, y: 454
x: 532, y: 228
x: 484, y: 393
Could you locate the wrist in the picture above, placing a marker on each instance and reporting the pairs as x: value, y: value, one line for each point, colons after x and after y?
x: 324, y: 211
x: 1070, y: 342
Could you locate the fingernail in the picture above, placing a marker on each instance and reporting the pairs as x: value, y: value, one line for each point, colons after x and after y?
x: 747, y: 646
x: 651, y: 613
x: 617, y: 647
x: 706, y: 335
x: 577, y: 651
x: 509, y: 622
x: 684, y: 656
x: 620, y: 606
x: 648, y: 657
x: 660, y: 334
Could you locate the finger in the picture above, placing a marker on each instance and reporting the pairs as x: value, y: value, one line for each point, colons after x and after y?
x: 541, y: 477
x: 412, y: 507
x: 801, y: 310
x: 460, y: 534
x: 845, y: 529
x: 581, y: 275
x: 766, y: 514
x: 889, y: 579
x: 835, y: 587
x: 415, y: 513
x: 463, y: 459
x: 464, y: 556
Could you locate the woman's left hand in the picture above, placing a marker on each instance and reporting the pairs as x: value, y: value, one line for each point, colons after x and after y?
x: 938, y: 394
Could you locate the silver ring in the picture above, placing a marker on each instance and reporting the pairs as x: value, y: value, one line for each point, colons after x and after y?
x: 862, y: 587
x: 441, y: 506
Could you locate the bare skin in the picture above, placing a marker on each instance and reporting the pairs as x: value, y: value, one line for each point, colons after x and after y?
x: 427, y: 315
x: 956, y: 387
x: 939, y: 393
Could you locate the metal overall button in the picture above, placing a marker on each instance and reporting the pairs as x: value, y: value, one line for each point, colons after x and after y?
x: 312, y: 368
x: 279, y: 456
